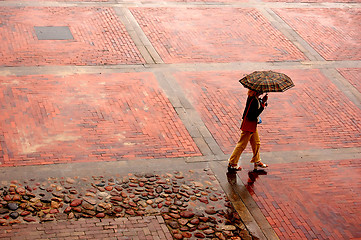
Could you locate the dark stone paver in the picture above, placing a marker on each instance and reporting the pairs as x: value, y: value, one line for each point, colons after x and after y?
x: 99, y: 37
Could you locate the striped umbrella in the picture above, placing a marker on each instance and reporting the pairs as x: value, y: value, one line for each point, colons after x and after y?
x: 267, y: 81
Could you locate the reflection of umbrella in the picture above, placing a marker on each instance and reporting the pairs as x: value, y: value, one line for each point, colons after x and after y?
x: 267, y: 81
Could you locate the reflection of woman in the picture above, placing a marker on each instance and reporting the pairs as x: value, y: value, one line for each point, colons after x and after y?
x: 253, y: 109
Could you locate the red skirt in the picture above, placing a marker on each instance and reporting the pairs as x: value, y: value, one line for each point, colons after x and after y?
x: 249, y: 126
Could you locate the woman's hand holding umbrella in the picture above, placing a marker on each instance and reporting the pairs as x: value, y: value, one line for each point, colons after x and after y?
x: 264, y: 100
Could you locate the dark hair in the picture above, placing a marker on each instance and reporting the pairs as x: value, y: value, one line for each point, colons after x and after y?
x: 252, y: 93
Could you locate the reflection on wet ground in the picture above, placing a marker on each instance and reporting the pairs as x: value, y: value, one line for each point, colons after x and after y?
x: 253, y: 176
x: 192, y: 204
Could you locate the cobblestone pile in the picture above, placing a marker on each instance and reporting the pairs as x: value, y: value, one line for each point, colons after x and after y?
x: 192, y: 204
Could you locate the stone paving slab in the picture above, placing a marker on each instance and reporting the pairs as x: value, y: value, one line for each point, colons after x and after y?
x: 99, y: 37
x: 186, y: 35
x: 308, y: 116
x: 333, y: 33
x: 309, y: 200
x: 180, y: 204
x: 91, y: 117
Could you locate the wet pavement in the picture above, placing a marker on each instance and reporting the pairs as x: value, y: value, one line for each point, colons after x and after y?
x: 309, y: 200
x: 117, y: 119
x: 189, y: 203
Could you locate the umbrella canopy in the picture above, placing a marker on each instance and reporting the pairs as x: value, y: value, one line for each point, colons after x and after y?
x: 267, y: 81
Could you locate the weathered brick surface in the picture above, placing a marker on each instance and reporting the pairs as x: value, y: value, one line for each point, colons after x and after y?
x: 99, y: 37
x: 148, y: 227
x: 314, y: 1
x: 333, y: 33
x: 307, y: 116
x: 353, y: 75
x: 311, y: 200
x: 202, y: 1
x: 214, y: 35
x: 94, y: 1
x: 48, y: 119
x: 62, y: 0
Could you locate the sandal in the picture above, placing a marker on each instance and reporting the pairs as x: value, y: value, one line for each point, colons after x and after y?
x: 260, y: 164
x: 234, y: 168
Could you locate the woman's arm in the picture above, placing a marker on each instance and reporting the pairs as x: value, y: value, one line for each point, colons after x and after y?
x: 254, y: 111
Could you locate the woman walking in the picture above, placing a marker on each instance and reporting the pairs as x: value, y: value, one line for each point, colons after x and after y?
x: 254, y: 107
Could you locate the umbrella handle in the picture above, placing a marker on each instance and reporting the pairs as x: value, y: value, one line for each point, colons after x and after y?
x: 265, y: 98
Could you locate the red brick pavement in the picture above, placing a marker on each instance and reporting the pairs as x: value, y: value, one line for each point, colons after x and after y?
x: 51, y: 119
x: 313, y: 114
x: 353, y: 75
x: 333, y: 33
x: 62, y: 0
x: 314, y: 1
x: 214, y: 35
x: 99, y: 37
x: 146, y: 228
x: 318, y: 200
x: 202, y: 1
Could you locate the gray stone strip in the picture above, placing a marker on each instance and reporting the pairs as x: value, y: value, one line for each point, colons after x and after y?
x: 312, y: 155
x: 243, y: 202
x: 163, y: 164
x: 114, y: 3
x: 68, y: 70
x: 278, y: 23
x: 188, y: 114
x: 345, y: 86
x: 134, y: 33
x: 85, y: 169
x: 180, y: 67
x: 142, y: 42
